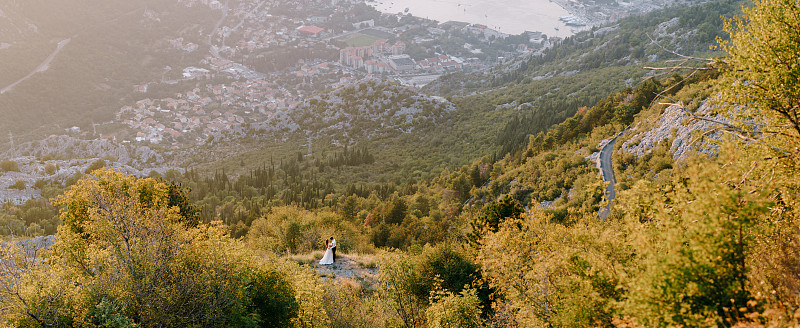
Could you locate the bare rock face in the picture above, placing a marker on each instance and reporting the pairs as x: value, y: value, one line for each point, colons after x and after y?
x: 674, y: 123
x: 59, y: 158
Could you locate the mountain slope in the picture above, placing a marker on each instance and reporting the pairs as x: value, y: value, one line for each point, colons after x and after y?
x: 113, y: 45
x: 548, y: 88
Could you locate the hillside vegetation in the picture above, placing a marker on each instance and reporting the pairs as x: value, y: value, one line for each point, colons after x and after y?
x: 706, y: 239
x: 546, y: 89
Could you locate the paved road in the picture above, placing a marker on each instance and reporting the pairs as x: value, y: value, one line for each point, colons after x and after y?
x: 607, y: 172
x: 41, y: 68
x: 249, y: 14
x: 219, y: 23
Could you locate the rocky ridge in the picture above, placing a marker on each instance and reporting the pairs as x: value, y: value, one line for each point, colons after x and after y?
x: 674, y: 123
x: 58, y: 158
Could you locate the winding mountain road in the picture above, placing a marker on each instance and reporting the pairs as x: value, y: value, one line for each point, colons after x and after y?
x: 41, y: 68
x: 607, y: 172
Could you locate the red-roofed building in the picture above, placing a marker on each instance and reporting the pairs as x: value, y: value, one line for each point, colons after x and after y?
x: 310, y: 30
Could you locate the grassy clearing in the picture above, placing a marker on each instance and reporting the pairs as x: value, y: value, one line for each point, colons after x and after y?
x: 359, y: 40
x: 376, y: 33
x: 366, y: 261
x: 308, y: 258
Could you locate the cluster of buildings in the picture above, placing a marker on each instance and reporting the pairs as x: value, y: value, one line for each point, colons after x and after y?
x: 440, y: 63
x: 312, y: 69
x: 202, y: 112
x: 374, y: 58
x: 382, y: 57
x: 180, y: 45
x: 215, y: 109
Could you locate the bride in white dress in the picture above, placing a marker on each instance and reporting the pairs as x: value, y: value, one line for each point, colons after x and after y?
x: 328, y: 257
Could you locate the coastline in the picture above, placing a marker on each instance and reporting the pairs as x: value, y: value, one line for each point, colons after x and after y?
x: 512, y: 17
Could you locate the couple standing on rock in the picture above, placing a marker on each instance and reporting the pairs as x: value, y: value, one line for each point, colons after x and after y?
x: 330, y: 252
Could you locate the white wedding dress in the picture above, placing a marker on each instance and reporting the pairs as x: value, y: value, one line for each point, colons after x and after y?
x: 328, y: 257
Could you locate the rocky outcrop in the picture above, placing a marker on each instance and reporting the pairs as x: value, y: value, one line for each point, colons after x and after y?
x: 60, y: 145
x: 687, y: 134
x: 43, y: 160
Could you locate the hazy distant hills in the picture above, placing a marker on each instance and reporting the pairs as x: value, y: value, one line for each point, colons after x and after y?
x: 13, y: 26
x: 112, y: 45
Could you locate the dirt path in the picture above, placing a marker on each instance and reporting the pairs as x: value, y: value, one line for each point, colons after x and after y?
x: 348, y: 267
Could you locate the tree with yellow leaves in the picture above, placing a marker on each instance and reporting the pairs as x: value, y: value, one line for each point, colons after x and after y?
x: 127, y: 256
x: 763, y: 82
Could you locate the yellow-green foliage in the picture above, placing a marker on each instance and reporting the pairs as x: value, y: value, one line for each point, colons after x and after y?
x: 125, y: 256
x: 396, y: 284
x: 309, y: 294
x: 349, y: 304
x: 764, y: 57
x: 629, y: 168
x: 288, y: 229
x: 19, y: 184
x: 693, y: 236
x: 409, y: 282
x: 9, y: 166
x: 450, y: 309
x: 556, y: 275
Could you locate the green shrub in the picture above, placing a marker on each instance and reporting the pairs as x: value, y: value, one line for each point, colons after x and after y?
x: 452, y: 268
x: 109, y: 314
x: 454, y: 310
x: 272, y: 299
x: 98, y: 164
x: 40, y: 183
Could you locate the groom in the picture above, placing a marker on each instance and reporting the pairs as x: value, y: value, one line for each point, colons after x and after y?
x: 333, y: 248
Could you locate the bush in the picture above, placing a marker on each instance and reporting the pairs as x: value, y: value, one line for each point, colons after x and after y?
x: 290, y: 229
x: 454, y: 310
x: 18, y: 185
x: 98, y: 164
x: 439, y: 269
x: 443, y: 263
x: 109, y: 314
x: 50, y: 169
x: 494, y: 214
x: 272, y: 299
x: 9, y: 166
x: 349, y: 304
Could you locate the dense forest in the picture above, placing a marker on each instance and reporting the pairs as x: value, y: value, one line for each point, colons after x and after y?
x: 512, y: 239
